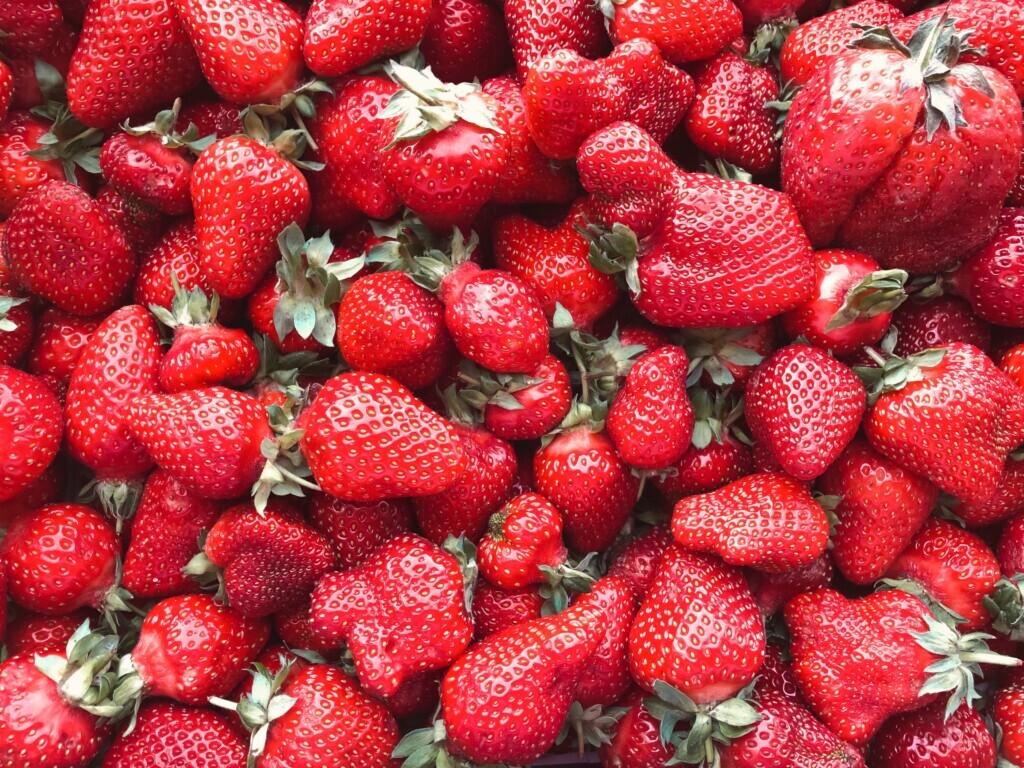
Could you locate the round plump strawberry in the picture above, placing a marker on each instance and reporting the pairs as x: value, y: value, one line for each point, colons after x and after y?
x: 31, y: 430
x: 928, y: 737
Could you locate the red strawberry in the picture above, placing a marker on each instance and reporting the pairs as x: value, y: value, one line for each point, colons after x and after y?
x: 171, y: 734
x: 751, y: 522
x: 607, y: 677
x: 30, y: 27
x: 32, y: 430
x: 355, y: 530
x: 33, y: 633
x: 16, y: 320
x: 1008, y: 715
x: 883, y: 191
x: 852, y: 302
x: 1006, y: 501
x: 45, y: 489
x: 496, y: 609
x: 344, y: 35
x: 28, y: 85
x: 141, y: 225
x: 465, y: 40
x: 805, y: 407
x: 928, y: 738
x: 164, y: 537
x: 636, y: 740
x: 59, y: 245
x: 523, y: 538
x: 175, y: 256
x: 1012, y: 364
x: 266, y: 561
x: 133, y: 56
x: 988, y: 279
x: 264, y: 58
x: 637, y: 561
x: 936, y: 323
x: 540, y: 27
x: 424, y: 454
x: 771, y: 591
x: 1011, y: 546
x: 6, y: 89
x: 727, y: 357
x: 402, y: 612
x: 685, y: 30
x: 59, y: 342
x: 207, y: 439
x: 879, y: 509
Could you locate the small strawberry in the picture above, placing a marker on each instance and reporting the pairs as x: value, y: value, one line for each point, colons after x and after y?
x: 684, y: 30
x: 936, y: 323
x: 496, y: 609
x: 355, y: 530
x: 989, y: 277
x: 1012, y: 364
x: 32, y: 430
x: 465, y: 40
x: 59, y: 342
x: 523, y: 539
x: 173, y: 257
x: 927, y: 738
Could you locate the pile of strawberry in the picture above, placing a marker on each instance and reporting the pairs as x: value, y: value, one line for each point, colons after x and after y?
x: 460, y: 382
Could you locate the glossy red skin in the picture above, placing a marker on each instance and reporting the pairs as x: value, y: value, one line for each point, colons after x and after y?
x: 249, y: 54
x: 989, y: 278
x: 144, y: 170
x: 522, y: 536
x: 356, y: 530
x: 925, y: 739
x: 211, y: 118
x: 636, y: 562
x: 537, y: 28
x: 204, y: 355
x: 1010, y: 551
x: 544, y: 404
x: 496, y: 609
x: 132, y: 57
x: 684, y: 31
x: 1016, y: 197
x: 6, y: 89
x: 936, y: 323
x: 701, y: 470
x: 881, y: 507
x: 776, y: 674
x: 582, y: 475
x: 243, y: 194
x: 771, y: 591
x: 342, y: 35
x: 142, y: 225
x: 60, y: 246
x: 607, y: 678
x: 191, y: 647
x: 60, y: 558
x: 16, y: 342
x: 209, y: 439
x: 1006, y: 501
x: 34, y: 633
x: 117, y: 366
x: 465, y: 40
x: 172, y: 734
x: 330, y: 710
x: 1008, y: 713
x: 855, y: 660
x: 400, y: 613
x: 30, y: 430
x: 43, y: 490
x: 1012, y: 364
x: 176, y: 253
x: 835, y: 273
x: 881, y: 189
x: 711, y: 347
x: 20, y: 173
x: 59, y: 342
x: 33, y: 27
x: 635, y: 742
x: 38, y: 727
x: 164, y: 537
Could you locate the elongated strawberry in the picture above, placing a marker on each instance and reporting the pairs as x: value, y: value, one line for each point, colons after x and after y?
x: 356, y: 530
x: 607, y: 678
x: 684, y: 30
x: 32, y: 427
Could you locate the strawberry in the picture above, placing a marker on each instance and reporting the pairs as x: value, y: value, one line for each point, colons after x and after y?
x: 1012, y: 364
x: 28, y: 85
x: 59, y: 245
x: 988, y: 278
x: 264, y: 59
x: 750, y: 522
x: 59, y: 342
x: 6, y: 89
x: 35, y: 633
x: 32, y: 430
x: 523, y: 539
x: 818, y: 41
x: 174, y: 256
x: 684, y: 30
x: 465, y: 40
x: 636, y: 740
x: 496, y: 609
x: 651, y: 419
x: 133, y: 56
x: 852, y: 301
x: 1007, y: 715
x: 45, y: 489
x: 947, y: 565
x: 879, y: 509
x: 344, y: 35
x: 30, y: 27
x: 607, y: 678
x: 581, y: 473
x: 190, y: 648
x: 948, y: 414
x: 540, y: 27
x: 448, y: 150
x: 555, y: 263
x: 1006, y: 501
x: 266, y: 562
x: 637, y: 560
x: 164, y: 537
x: 355, y: 530
x: 771, y: 591
x: 402, y: 612
x: 805, y: 407
x: 166, y: 733
x: 424, y: 454
x: 862, y: 193
x: 142, y: 226
x: 207, y: 439
x: 238, y: 240
x: 727, y: 357
x: 1011, y: 546
x: 928, y: 738
x: 60, y: 558
x: 16, y: 320
x: 936, y: 323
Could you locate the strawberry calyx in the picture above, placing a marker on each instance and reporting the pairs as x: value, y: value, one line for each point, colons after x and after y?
x: 464, y: 551
x: 188, y: 308
x: 272, y: 131
x: 613, y: 252
x: 162, y: 126
x: 7, y: 303
x: 85, y: 676
x: 712, y: 351
x: 1006, y: 607
x: 484, y: 387
x: 601, y: 364
x: 206, y: 573
x: 426, y: 747
x: 298, y: 105
x: 117, y: 498
x: 285, y: 472
x: 69, y: 141
x: 581, y: 415
x: 726, y: 170
x: 408, y: 246
x: 768, y: 40
x: 782, y: 105
x: 280, y: 374
x: 704, y: 724
x: 893, y: 373
x: 573, y: 577
x: 591, y: 726
x: 878, y: 293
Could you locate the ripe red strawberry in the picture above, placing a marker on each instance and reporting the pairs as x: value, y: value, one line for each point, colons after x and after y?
x: 59, y: 245
x: 1006, y: 501
x: 402, y: 612
x: 805, y: 407
x: 1012, y: 364
x: 355, y: 530
x: 191, y: 648
x: 684, y: 30
x: 988, y: 278
x: 751, y: 522
x: 344, y: 35
x: 448, y: 150
x: 607, y: 677
x: 32, y: 430
x: 16, y: 320
x: 539, y: 27
x: 264, y: 59
x: 950, y: 415
x: 496, y: 609
x: 818, y: 41
x: 1008, y: 715
x: 6, y: 89
x: 141, y: 225
x: 133, y: 56
x: 928, y: 738
x: 424, y: 454
x: 28, y: 85
x: 59, y: 342
x: 175, y: 255
x: 45, y: 489
x: 727, y: 357
x: 60, y: 558
x: 637, y: 561
x: 580, y: 472
x: 238, y: 241
x: 852, y: 301
x: 30, y: 27
x: 636, y: 741
x: 879, y: 509
x: 883, y: 191
x: 697, y: 630
x: 208, y: 439
x: 166, y: 733
x: 1011, y: 546
x: 523, y: 537
x: 266, y: 562
x: 937, y: 323
x: 34, y: 633
x: 651, y: 419
x: 465, y: 40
